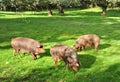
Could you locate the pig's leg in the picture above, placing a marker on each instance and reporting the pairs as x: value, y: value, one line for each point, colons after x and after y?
x: 33, y: 56
x: 18, y: 51
x: 67, y: 65
x: 96, y: 46
x: 83, y: 48
x: 56, y: 61
x: 14, y: 51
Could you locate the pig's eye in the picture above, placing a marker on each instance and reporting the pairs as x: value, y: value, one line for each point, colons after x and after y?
x: 41, y: 46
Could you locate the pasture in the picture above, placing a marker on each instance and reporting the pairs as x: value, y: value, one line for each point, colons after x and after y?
x: 101, y: 66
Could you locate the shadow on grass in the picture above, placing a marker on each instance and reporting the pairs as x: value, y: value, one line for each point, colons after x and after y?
x: 83, y: 14
x: 5, y: 47
x: 47, y: 53
x: 110, y: 13
x: 39, y: 75
x: 103, y: 46
x: 87, y: 60
x: 52, y: 75
x: 6, y: 38
x: 36, y: 75
x: 112, y: 74
x: 48, y: 31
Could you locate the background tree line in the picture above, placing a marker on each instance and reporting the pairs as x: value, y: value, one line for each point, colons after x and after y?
x: 38, y: 5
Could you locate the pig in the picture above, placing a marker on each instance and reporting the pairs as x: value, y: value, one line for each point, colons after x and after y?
x: 87, y: 41
x: 27, y: 45
x: 66, y: 54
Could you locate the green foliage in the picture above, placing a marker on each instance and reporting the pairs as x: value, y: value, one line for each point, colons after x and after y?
x: 25, y: 5
x: 109, y: 3
x: 101, y: 66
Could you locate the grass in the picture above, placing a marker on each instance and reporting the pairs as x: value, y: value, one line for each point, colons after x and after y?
x: 101, y: 66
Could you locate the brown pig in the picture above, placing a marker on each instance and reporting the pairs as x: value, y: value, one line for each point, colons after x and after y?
x: 27, y: 45
x: 65, y: 53
x: 87, y: 40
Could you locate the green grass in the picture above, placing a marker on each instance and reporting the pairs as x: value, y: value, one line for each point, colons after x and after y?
x: 101, y: 66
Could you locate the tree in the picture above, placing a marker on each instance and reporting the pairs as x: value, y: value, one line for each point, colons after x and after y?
x: 103, y: 4
x: 33, y: 5
x: 60, y: 8
x: 45, y: 4
x: 106, y: 3
x: 50, y: 13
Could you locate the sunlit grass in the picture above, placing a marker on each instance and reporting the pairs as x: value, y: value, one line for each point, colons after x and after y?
x: 101, y: 66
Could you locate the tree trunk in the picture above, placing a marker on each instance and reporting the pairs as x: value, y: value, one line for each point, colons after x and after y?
x: 103, y: 4
x: 50, y: 13
x: 104, y: 8
x: 49, y: 10
x: 60, y: 9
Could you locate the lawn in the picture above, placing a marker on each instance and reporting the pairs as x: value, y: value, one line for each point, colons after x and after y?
x: 101, y: 66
